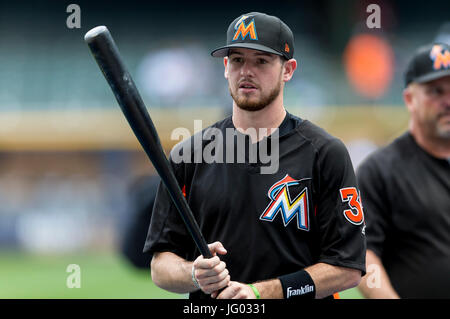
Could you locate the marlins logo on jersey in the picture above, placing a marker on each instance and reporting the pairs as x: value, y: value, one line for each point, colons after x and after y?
x: 281, y: 201
x: 243, y: 30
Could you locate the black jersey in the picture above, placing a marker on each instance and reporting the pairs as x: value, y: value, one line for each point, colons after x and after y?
x: 307, y: 212
x: 406, y: 195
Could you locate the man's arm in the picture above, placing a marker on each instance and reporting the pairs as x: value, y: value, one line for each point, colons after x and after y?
x: 382, y: 289
x: 328, y: 280
x: 173, y: 273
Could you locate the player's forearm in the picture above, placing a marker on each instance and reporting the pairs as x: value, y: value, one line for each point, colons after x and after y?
x: 330, y: 279
x: 376, y: 283
x: 172, y: 273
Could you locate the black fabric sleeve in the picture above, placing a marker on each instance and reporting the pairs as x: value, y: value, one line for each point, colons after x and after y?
x: 342, y: 242
x: 167, y: 231
x: 376, y: 207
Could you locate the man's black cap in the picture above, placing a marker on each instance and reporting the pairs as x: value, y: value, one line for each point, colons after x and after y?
x: 258, y: 31
x: 430, y: 62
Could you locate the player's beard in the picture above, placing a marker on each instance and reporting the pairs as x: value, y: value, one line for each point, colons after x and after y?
x: 437, y: 126
x: 433, y: 128
x: 443, y: 129
x: 248, y: 103
x: 443, y: 132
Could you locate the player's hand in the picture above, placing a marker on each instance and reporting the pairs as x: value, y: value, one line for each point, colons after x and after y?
x: 237, y: 290
x: 211, y: 273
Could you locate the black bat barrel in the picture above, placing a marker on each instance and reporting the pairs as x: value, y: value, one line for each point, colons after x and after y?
x: 107, y: 55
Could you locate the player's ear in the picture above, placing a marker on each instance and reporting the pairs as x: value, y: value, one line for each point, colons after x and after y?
x: 408, y: 96
x: 225, y: 64
x: 289, y: 67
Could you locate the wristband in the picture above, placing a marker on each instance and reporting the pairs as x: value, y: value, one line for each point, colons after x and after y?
x: 194, y: 280
x: 255, y: 291
x: 298, y: 285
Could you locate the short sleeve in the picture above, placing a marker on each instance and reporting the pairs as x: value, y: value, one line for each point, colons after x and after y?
x: 376, y: 211
x: 167, y: 231
x: 339, y: 210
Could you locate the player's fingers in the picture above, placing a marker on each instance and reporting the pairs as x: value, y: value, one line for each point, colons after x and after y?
x: 209, y: 263
x: 201, y: 273
x: 229, y: 292
x: 217, y: 270
x: 205, y: 279
x: 216, y: 286
x: 217, y: 248
x: 239, y: 291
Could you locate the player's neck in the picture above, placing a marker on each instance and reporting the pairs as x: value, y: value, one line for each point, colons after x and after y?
x: 438, y: 147
x: 268, y: 119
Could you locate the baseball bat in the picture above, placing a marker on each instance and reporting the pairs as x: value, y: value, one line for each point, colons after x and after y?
x: 108, y: 58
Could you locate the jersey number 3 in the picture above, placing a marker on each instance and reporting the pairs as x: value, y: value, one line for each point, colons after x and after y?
x: 355, y: 214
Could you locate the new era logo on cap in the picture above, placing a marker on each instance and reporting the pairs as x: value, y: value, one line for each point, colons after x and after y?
x: 258, y: 31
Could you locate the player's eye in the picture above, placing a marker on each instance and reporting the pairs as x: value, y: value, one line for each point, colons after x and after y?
x: 262, y: 61
x: 236, y: 59
x: 435, y: 91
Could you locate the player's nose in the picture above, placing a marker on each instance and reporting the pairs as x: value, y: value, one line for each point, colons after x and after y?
x: 246, y: 69
x: 446, y: 101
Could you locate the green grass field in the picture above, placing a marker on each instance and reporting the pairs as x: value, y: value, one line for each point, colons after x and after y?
x: 103, y: 275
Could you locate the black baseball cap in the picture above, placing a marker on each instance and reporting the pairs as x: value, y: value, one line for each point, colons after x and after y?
x: 258, y: 31
x: 430, y: 62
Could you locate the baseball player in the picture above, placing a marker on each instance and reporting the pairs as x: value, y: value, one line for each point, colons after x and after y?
x: 406, y: 190
x: 298, y: 232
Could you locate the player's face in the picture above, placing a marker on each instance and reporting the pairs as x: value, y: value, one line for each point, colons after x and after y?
x: 255, y: 78
x: 429, y: 106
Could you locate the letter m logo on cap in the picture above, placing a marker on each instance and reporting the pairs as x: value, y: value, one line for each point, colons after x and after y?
x: 244, y: 30
x: 440, y: 59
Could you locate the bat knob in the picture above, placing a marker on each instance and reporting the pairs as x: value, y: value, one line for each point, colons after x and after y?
x: 94, y: 33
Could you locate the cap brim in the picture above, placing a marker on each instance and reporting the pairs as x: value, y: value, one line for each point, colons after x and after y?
x: 432, y: 76
x: 223, y: 51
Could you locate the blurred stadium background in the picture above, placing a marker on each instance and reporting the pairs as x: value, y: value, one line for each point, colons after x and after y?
x: 68, y: 159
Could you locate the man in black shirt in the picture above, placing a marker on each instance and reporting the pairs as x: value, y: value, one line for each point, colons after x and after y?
x: 295, y: 229
x: 405, y: 187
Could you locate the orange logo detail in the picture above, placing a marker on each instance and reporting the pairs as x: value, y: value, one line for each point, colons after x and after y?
x: 441, y: 59
x: 244, y: 30
x: 286, y: 48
